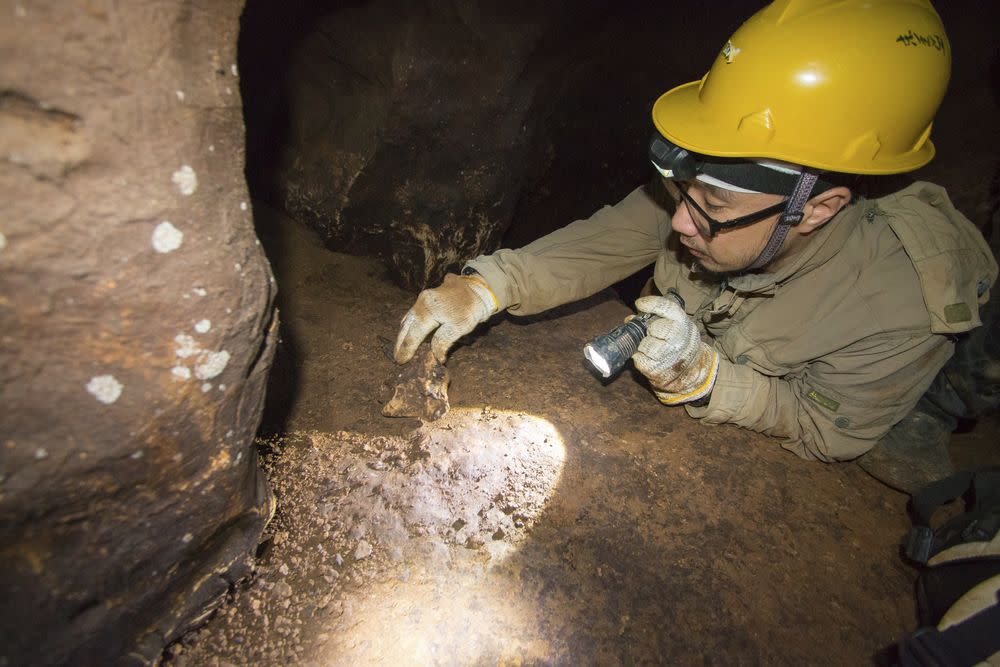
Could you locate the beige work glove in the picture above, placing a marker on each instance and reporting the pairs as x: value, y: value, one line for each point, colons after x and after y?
x: 679, y: 366
x: 454, y: 309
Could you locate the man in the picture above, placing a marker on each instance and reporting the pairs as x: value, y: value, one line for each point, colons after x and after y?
x: 812, y: 314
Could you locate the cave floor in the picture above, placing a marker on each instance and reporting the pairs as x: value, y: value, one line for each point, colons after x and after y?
x: 547, y: 519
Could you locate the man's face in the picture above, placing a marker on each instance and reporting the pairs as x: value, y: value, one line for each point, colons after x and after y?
x: 730, y: 250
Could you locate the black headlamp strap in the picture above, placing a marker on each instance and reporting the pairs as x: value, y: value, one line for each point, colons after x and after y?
x: 791, y: 217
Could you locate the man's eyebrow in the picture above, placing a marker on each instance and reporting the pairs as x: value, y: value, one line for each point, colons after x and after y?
x: 717, y: 192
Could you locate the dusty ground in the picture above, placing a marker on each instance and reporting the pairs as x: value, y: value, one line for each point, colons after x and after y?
x: 546, y: 520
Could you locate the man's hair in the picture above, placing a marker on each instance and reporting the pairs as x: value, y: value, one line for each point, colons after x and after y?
x: 873, y: 187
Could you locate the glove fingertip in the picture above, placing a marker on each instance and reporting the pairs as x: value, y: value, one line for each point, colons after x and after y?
x: 440, y: 350
x: 642, y: 300
x: 402, y: 356
x: 656, y: 305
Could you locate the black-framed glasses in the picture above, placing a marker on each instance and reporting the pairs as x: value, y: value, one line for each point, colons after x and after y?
x: 716, y: 226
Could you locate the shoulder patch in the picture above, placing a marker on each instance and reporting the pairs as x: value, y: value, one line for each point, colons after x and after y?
x: 823, y: 401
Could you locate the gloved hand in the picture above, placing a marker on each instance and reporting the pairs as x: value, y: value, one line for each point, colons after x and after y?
x: 454, y: 309
x: 678, y: 365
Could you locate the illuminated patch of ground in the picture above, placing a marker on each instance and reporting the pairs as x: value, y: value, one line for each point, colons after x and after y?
x: 392, y: 532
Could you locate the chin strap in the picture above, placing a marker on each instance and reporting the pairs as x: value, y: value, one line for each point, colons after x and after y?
x: 791, y: 217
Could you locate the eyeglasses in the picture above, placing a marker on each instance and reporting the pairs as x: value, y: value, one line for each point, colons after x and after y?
x: 716, y: 226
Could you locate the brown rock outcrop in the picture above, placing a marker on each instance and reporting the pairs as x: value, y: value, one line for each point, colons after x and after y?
x: 401, y: 133
x: 137, y: 327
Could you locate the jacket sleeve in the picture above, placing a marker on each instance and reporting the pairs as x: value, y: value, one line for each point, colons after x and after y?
x: 580, y: 259
x: 840, y: 405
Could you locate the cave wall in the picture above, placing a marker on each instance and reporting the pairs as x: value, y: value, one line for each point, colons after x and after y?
x: 397, y: 129
x: 137, y: 326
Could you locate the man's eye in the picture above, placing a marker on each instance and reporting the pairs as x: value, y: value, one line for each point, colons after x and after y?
x: 713, y: 208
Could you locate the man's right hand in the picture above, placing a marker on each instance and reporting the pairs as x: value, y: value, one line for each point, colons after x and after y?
x: 454, y: 309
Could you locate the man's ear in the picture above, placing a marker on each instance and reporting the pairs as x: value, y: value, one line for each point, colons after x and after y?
x: 820, y: 209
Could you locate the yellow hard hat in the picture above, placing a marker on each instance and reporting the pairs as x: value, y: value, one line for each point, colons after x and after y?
x: 838, y: 85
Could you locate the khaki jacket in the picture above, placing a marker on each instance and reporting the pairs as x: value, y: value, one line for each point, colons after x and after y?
x: 828, y: 352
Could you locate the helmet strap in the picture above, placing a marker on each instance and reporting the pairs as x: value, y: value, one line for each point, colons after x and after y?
x: 791, y: 217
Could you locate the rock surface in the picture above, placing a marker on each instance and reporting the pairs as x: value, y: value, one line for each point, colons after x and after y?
x: 404, y: 133
x: 137, y: 327
x: 421, y: 390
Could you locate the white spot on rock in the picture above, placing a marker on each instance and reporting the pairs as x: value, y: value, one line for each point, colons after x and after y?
x: 211, y: 148
x: 3, y: 241
x: 186, y: 180
x: 181, y: 372
x: 207, y: 387
x: 20, y: 12
x: 238, y: 266
x: 185, y: 346
x: 41, y: 453
x: 166, y: 237
x: 243, y: 206
x: 203, y: 326
x: 105, y: 388
x: 180, y: 95
x: 200, y: 291
x: 212, y: 365
x: 229, y: 91
x: 235, y: 70
x: 222, y: 387
x: 363, y: 551
x: 136, y: 455
x: 187, y: 538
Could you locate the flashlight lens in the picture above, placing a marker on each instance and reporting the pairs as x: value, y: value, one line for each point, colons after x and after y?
x: 595, y: 358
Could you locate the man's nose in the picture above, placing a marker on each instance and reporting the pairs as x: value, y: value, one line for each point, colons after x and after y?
x: 681, y: 221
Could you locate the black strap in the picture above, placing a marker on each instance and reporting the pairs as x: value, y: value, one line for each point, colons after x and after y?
x: 966, y: 643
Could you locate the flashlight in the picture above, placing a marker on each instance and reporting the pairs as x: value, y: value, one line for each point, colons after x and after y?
x: 608, y: 352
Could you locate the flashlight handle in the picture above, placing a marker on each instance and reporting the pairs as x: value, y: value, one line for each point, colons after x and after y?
x: 631, y: 334
x: 637, y: 327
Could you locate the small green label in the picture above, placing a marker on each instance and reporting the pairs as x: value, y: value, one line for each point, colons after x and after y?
x: 822, y: 400
x: 957, y: 312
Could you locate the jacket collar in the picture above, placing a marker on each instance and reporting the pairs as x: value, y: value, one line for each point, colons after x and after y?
x: 826, y: 242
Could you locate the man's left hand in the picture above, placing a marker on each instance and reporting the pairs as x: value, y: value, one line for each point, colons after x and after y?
x: 679, y: 366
